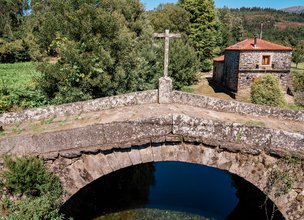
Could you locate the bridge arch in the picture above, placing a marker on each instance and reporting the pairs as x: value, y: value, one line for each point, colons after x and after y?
x: 76, y: 173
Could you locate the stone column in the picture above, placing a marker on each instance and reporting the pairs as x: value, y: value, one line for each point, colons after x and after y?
x: 165, y: 90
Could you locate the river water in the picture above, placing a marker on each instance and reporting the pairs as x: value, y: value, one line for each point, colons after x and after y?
x: 169, y: 191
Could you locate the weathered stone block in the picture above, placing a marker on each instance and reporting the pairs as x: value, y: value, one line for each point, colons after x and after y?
x: 113, y: 162
x: 182, y: 153
x: 174, y: 139
x: 123, y: 158
x: 135, y: 156
x: 70, y: 154
x: 92, y: 166
x: 194, y: 153
x: 50, y: 156
x: 169, y: 152
x: 103, y: 164
x: 146, y: 154
x: 165, y: 90
x: 157, y: 153
x: 158, y: 141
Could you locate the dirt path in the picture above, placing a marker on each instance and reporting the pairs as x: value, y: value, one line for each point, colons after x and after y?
x: 205, y: 87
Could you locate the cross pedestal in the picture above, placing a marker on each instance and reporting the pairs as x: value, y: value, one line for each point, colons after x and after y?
x: 165, y: 90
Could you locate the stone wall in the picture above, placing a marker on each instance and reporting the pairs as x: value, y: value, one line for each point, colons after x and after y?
x: 147, y: 97
x: 231, y: 68
x: 136, y: 98
x: 218, y: 70
x: 279, y: 60
x: 236, y: 107
x: 251, y: 67
x: 246, y: 78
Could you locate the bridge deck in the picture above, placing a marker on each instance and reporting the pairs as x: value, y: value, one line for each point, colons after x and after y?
x: 57, y: 123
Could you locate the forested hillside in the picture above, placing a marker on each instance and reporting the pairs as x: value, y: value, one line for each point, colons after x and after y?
x: 278, y: 26
x: 296, y: 9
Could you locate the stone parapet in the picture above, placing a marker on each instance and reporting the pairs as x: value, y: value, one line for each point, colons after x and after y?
x: 136, y: 98
x: 164, y: 95
x: 236, y: 107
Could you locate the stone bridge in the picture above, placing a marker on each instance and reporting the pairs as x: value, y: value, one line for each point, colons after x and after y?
x: 84, y: 141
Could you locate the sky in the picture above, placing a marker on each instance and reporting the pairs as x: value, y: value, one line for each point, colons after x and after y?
x: 278, y: 4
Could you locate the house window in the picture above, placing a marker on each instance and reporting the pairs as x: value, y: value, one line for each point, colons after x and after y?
x: 266, y: 60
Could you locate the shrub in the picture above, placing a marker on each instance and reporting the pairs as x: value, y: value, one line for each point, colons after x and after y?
x: 207, y: 65
x: 29, y: 190
x: 15, y: 51
x: 265, y: 90
x: 298, y: 82
x: 34, y: 208
x: 21, y: 98
x: 28, y: 175
x: 299, y: 99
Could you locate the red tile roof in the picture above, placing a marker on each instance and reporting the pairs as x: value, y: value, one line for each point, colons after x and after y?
x: 219, y: 59
x: 248, y: 44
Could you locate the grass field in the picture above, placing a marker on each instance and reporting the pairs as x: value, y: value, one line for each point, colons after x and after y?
x: 17, y: 75
x: 300, y: 67
x: 18, y: 87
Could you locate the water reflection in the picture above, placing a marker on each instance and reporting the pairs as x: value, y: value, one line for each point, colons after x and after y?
x: 168, y: 190
x: 194, y: 189
x: 122, y: 190
x: 251, y: 204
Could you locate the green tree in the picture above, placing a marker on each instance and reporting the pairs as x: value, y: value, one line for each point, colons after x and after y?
x: 169, y: 16
x: 237, y: 29
x: 298, y: 82
x: 204, y: 29
x: 226, y: 19
x: 12, y: 47
x: 11, y: 16
x: 298, y: 53
x: 265, y: 90
x: 184, y: 65
x: 102, y: 49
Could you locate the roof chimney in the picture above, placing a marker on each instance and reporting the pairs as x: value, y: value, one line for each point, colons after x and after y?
x: 255, y: 41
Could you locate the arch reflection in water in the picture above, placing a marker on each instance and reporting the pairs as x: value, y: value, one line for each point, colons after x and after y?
x: 168, y: 190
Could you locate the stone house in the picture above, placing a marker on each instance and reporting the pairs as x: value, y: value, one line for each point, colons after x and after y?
x: 244, y: 61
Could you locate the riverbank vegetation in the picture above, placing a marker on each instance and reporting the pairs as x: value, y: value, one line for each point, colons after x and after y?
x: 29, y: 190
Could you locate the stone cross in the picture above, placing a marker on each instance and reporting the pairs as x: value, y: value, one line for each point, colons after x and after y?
x: 167, y: 37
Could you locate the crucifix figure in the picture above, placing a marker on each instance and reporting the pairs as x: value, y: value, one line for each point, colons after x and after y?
x: 167, y: 37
